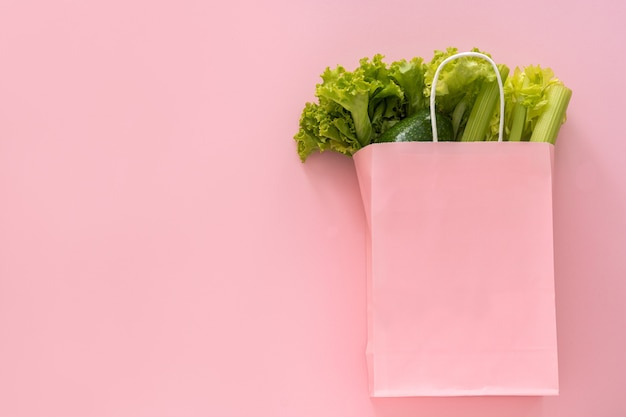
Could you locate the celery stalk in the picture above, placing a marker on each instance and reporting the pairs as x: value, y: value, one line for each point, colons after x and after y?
x: 517, y: 125
x: 483, y: 110
x: 519, y: 112
x: 550, y: 121
x: 457, y: 116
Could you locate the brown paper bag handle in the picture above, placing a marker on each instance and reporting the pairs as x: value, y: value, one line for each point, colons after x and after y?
x: 432, y: 90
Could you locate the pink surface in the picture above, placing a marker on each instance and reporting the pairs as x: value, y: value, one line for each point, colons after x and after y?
x: 460, y: 278
x: 163, y: 252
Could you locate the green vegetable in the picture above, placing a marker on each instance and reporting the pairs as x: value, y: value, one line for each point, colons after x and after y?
x: 326, y: 126
x: 410, y: 77
x: 550, y: 121
x: 484, y: 108
x: 419, y: 128
x: 352, y: 92
x: 356, y: 107
x: 534, y: 94
x: 377, y: 102
x: 459, y: 85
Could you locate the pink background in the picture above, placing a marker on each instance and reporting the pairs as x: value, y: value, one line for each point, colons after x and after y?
x: 163, y: 252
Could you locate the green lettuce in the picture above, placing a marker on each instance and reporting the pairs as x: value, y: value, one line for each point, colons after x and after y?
x: 359, y: 92
x: 326, y: 126
x: 356, y: 107
x: 409, y: 75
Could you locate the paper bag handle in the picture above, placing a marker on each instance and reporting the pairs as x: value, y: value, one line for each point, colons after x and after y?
x: 433, y: 121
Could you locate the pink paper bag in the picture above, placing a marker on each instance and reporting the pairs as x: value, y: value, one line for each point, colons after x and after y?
x: 460, y: 268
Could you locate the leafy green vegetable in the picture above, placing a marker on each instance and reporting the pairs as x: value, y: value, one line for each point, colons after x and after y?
x: 324, y: 127
x: 527, y: 100
x: 352, y: 92
x: 550, y: 121
x: 458, y: 85
x: 359, y: 91
x: 409, y: 75
x: 525, y: 94
x: 356, y: 108
x: 480, y: 118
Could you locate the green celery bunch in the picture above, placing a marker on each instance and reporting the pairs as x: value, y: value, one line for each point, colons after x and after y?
x: 535, y: 105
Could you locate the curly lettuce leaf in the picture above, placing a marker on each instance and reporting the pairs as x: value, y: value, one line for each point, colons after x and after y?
x: 354, y: 107
x: 386, y: 102
x: 358, y: 92
x: 409, y: 75
x: 325, y: 127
